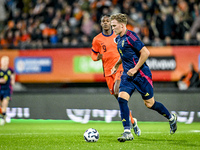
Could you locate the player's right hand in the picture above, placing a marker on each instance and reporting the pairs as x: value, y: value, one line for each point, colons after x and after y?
x: 113, y: 70
x: 99, y: 56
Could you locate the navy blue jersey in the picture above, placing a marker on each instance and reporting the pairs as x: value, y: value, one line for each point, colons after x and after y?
x: 129, y: 46
x: 6, y: 74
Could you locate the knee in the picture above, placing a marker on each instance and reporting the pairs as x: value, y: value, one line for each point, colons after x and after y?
x: 149, y: 104
x: 124, y: 95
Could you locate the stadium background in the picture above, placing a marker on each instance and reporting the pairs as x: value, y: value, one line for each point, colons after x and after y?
x: 49, y: 46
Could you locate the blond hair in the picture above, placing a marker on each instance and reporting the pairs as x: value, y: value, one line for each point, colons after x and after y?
x: 4, y: 61
x: 121, y: 18
x: 4, y: 58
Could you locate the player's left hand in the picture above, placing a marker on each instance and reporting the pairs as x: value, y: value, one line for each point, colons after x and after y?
x: 99, y: 56
x: 131, y: 72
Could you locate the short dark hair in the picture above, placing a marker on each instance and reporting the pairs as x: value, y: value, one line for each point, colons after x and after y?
x: 105, y: 16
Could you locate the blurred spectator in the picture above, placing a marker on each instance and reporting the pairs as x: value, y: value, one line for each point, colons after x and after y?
x: 53, y: 36
x: 114, y: 9
x: 144, y: 29
x: 87, y: 24
x: 183, y: 19
x: 146, y: 40
x: 126, y: 7
x: 100, y: 6
x: 95, y: 30
x: 187, y: 36
x: 53, y: 22
x: 3, y: 14
x: 36, y: 35
x: 168, y: 23
x: 157, y: 42
x: 67, y: 13
x: 3, y: 41
x: 65, y: 41
x: 45, y: 41
x: 25, y: 38
x: 157, y: 25
x: 16, y: 15
x: 49, y: 15
x: 53, y: 39
x: 198, y: 37
x: 38, y: 10
x: 17, y: 38
x: 133, y: 15
x: 85, y: 40
x: 10, y: 37
x: 195, y: 27
x: 59, y: 5
x: 66, y: 32
x: 167, y: 41
x: 74, y: 41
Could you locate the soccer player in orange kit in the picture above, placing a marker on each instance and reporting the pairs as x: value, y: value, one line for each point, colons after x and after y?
x: 104, y: 48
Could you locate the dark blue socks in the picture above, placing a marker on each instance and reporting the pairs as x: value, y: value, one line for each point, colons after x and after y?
x: 161, y: 109
x: 123, y: 105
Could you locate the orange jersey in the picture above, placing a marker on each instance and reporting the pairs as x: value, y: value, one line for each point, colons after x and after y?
x: 104, y: 44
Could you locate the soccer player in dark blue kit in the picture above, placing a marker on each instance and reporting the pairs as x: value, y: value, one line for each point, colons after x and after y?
x: 136, y: 75
x: 7, y: 80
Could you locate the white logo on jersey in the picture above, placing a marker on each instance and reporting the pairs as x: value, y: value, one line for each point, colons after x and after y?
x: 115, y: 40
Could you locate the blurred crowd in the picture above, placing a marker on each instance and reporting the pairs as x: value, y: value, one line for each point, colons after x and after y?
x: 39, y: 23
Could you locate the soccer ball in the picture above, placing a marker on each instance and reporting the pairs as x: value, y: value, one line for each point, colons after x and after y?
x: 91, y: 135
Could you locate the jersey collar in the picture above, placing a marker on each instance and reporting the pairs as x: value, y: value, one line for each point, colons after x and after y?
x: 108, y: 35
x: 125, y: 32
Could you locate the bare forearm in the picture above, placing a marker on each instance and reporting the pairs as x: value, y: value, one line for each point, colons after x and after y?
x: 119, y: 62
x: 144, y: 54
x: 114, y: 69
x: 12, y: 79
x: 143, y: 57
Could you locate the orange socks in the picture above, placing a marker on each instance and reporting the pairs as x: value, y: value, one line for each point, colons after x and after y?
x: 132, y: 120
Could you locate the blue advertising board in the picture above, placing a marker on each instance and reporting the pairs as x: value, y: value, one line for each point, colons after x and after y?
x: 25, y: 65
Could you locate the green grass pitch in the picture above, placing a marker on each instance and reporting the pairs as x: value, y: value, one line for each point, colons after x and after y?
x: 61, y: 135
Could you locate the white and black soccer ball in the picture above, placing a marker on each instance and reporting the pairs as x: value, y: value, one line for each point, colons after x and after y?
x: 91, y: 135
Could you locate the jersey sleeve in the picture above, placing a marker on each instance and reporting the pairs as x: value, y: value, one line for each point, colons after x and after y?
x: 95, y: 49
x: 12, y: 71
x: 135, y: 42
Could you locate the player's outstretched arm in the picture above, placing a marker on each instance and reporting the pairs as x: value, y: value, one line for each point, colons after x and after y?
x: 116, y: 66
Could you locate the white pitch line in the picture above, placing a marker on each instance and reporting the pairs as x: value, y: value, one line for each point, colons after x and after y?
x: 195, y: 131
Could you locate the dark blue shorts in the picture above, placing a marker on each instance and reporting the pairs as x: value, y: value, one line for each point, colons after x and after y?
x: 5, y: 94
x: 143, y: 84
